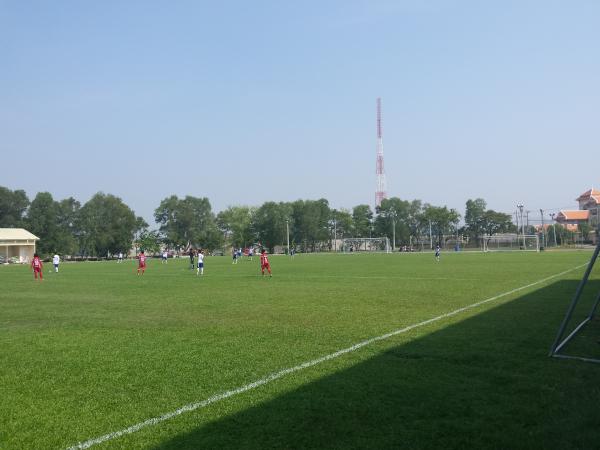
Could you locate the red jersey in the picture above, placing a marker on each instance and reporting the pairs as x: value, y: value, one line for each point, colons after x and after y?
x: 142, y: 258
x: 264, y: 259
x: 36, y: 264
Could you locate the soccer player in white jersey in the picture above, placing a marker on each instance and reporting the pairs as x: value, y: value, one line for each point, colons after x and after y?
x: 200, y: 268
x: 56, y: 262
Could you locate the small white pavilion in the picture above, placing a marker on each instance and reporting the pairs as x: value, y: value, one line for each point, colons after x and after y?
x: 17, y: 242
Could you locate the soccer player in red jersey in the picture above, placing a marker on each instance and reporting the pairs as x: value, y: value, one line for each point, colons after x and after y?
x: 141, y: 263
x: 37, y: 266
x: 264, y: 263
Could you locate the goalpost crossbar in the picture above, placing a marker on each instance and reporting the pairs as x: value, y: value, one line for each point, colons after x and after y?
x: 511, y: 242
x: 381, y: 244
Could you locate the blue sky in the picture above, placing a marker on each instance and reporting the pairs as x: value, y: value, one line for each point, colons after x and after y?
x: 244, y: 102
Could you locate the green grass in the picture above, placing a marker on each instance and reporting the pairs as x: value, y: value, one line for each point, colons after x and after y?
x: 96, y: 349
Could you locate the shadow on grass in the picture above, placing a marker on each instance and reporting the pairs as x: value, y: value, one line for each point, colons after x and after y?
x: 485, y: 382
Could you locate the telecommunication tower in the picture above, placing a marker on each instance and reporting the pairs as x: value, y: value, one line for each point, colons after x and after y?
x: 380, y: 193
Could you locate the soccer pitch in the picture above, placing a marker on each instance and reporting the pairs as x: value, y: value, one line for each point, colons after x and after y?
x: 170, y: 360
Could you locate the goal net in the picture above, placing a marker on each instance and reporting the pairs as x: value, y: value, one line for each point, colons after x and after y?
x: 381, y: 244
x: 579, y: 332
x: 508, y: 242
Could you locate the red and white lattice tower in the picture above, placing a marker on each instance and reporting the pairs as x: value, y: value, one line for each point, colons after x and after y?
x: 380, y: 193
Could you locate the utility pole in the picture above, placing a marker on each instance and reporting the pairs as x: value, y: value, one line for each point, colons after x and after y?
x: 393, y: 230
x: 522, y: 223
x: 457, y: 244
x: 554, y: 228
x: 334, y: 234
x: 543, y: 229
x: 287, y: 226
x: 430, y: 236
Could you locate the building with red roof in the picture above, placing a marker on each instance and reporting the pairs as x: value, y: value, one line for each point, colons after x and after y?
x: 588, y: 212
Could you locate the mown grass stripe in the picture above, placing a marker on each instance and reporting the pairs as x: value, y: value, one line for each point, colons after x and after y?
x: 276, y: 375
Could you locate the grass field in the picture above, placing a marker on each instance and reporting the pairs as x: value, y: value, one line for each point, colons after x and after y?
x: 96, y: 349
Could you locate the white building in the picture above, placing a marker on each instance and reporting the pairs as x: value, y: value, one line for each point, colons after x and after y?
x: 18, y: 243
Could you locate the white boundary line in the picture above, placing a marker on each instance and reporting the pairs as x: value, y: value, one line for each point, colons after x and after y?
x: 276, y: 375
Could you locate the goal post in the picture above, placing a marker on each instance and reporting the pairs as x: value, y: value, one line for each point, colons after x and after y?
x: 380, y: 244
x: 558, y: 346
x: 509, y: 242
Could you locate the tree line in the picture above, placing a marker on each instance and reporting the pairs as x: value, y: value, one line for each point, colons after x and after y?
x: 106, y: 225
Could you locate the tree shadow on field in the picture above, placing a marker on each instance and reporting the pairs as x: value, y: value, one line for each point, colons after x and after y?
x: 486, y: 382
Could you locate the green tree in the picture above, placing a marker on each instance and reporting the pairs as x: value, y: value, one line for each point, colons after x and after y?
x: 564, y: 236
x: 394, y: 211
x: 166, y: 216
x: 107, y: 225
x: 236, y: 223
x: 475, y: 217
x: 584, y: 229
x: 269, y: 223
x: 13, y: 206
x: 188, y: 220
x: 443, y: 221
x: 362, y: 217
x: 67, y: 222
x: 496, y: 222
x: 341, y: 223
x: 149, y: 241
x: 310, y: 220
x: 54, y: 223
x: 414, y: 219
x: 42, y: 220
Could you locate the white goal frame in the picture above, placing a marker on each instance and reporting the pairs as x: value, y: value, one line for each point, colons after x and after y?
x: 511, y: 242
x: 373, y: 245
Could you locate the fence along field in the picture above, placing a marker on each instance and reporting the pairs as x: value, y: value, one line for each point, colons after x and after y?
x: 95, y: 350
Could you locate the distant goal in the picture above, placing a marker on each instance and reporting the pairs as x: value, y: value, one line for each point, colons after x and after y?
x: 509, y: 242
x: 381, y: 244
